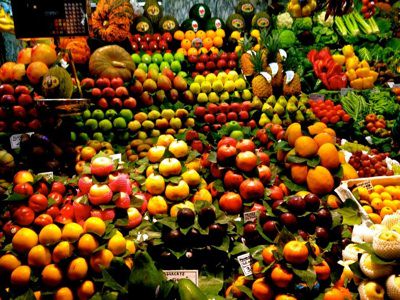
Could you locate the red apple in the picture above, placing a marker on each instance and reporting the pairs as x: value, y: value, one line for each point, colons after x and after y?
x: 120, y: 183
x: 232, y: 180
x: 84, y: 184
x: 264, y: 174
x: 123, y: 201
x: 251, y: 189
x: 23, y: 177
x: 100, y: 194
x: 134, y: 218
x: 102, y: 166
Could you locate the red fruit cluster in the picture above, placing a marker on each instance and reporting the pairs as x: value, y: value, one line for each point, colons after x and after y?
x: 216, y: 115
x: 151, y: 42
x: 17, y: 109
x: 375, y: 124
x: 368, y: 8
x: 208, y: 63
x: 108, y: 93
x: 193, y: 139
x: 370, y: 165
x: 328, y: 112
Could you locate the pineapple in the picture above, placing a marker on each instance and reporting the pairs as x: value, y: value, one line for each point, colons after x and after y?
x: 271, y: 43
x: 245, y: 60
x: 261, y: 83
x: 293, y: 88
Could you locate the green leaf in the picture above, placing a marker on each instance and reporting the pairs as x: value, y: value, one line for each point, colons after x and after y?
x: 192, y: 155
x: 169, y: 222
x: 256, y: 252
x: 111, y: 283
x: 212, y: 157
x: 219, y: 186
x: 211, y: 284
x: 296, y: 159
x: 28, y: 295
x: 174, y: 179
x: 239, y: 248
x: 14, y: 197
x: 313, y: 162
x: 355, y: 268
x: 283, y: 145
x: 225, y: 244
x: 293, y: 187
x: 350, y: 213
x: 247, y: 291
x: 308, y: 276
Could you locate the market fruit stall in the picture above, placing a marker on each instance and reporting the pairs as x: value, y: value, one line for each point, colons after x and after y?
x: 249, y: 154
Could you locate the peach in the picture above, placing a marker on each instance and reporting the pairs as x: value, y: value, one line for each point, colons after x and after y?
x: 23, y: 177
x: 134, y: 218
x: 100, y: 194
x: 6, y: 71
x: 24, y: 56
x: 44, y: 53
x: 18, y: 72
x: 35, y: 71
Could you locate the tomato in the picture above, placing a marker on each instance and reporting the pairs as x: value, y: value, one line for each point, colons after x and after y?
x: 24, y: 215
x: 380, y: 124
x: 56, y: 198
x: 329, y: 102
x: 10, y: 228
x: 53, y: 211
x: 334, y: 119
x: 42, y: 188
x: 38, y: 202
x: 325, y: 120
x: 346, y: 118
x: 370, y: 118
x: 340, y: 112
x: 25, y: 189
x: 43, y: 220
x: 66, y: 214
x: 58, y: 187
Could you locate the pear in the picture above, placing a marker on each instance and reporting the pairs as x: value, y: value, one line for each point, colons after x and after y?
x: 291, y: 107
x: 293, y: 99
x: 299, y: 116
x: 256, y: 103
x: 276, y: 120
x: 263, y: 120
x: 303, y: 98
x: 302, y: 108
x: 268, y: 109
x: 271, y: 100
x: 287, y: 121
x: 282, y: 101
x: 279, y: 109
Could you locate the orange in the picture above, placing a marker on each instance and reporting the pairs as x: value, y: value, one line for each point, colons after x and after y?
x: 299, y: 173
x: 62, y: 251
x: 77, y: 269
x: 323, y: 138
x: 262, y: 290
x: 101, y: 258
x: 386, y: 196
x: 179, y: 35
x: 201, y: 34
x: 295, y: 252
x: 218, y: 41
x: 377, y: 203
x: 257, y: 269
x: 375, y: 218
x: 363, y: 192
x: 316, y: 128
x: 39, y: 256
x: 94, y: 225
x: 190, y: 35
x: 375, y: 195
x: 285, y: 297
x: 192, y: 51
x: 207, y: 43
x: 305, y: 146
x: 322, y: 270
x: 281, y: 277
x: 330, y: 131
x: 24, y: 240
x: 71, y: 232
x: 50, y: 235
x: 293, y: 132
x: 379, y: 188
x: 391, y: 204
x: 8, y: 263
x: 211, y: 33
x: 52, y: 275
x: 21, y: 276
x: 333, y: 294
x: 368, y: 209
x: 220, y: 32
x: 86, y: 290
x: 268, y: 254
x: 87, y: 244
x: 64, y: 293
x: 329, y: 156
x: 186, y: 44
x: 117, y: 245
x: 320, y: 181
x: 385, y: 211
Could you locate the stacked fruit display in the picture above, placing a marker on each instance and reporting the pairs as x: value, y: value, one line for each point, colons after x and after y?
x: 151, y: 42
x: 199, y: 42
x: 370, y: 165
x: 376, y: 125
x: 159, y: 61
x: 328, y: 112
x: 214, y: 62
x: 84, y: 154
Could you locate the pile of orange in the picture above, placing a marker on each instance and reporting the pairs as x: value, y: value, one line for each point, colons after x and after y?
x: 200, y: 42
x: 380, y: 201
x: 61, y: 256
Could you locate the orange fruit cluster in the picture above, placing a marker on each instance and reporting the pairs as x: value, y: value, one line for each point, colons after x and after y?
x: 200, y: 42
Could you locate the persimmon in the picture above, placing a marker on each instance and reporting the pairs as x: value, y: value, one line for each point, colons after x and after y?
x: 268, y: 254
x: 322, y: 270
x: 295, y: 252
x: 262, y: 290
x: 280, y: 276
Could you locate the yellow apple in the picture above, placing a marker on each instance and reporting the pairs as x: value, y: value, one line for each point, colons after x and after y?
x: 155, y: 184
x: 164, y: 140
x: 177, y: 192
x: 178, y: 148
x: 191, y: 177
x: 170, y: 167
x: 202, y: 195
x: 155, y: 153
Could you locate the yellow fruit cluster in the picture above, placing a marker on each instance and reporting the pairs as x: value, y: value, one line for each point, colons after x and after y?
x: 200, y: 42
x: 379, y: 202
x: 61, y: 254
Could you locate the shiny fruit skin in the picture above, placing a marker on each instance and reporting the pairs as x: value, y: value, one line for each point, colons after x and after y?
x: 295, y: 252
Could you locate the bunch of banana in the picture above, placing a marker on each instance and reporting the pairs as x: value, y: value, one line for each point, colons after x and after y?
x: 6, y: 21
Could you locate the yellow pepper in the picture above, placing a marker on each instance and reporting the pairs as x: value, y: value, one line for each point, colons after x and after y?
x: 374, y: 75
x: 368, y: 82
x: 352, y: 62
x: 348, y: 51
x: 364, y: 64
x: 357, y: 84
x: 339, y: 59
x: 363, y: 72
x: 351, y: 74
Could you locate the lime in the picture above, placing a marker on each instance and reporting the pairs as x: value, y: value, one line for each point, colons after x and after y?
x: 164, y: 65
x: 176, y: 66
x: 153, y: 66
x: 179, y: 57
x: 136, y: 58
x: 146, y: 58
x: 98, y: 136
x: 168, y: 57
x: 143, y: 66
x: 157, y: 58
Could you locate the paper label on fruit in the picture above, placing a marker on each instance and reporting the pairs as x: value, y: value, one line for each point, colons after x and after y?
x: 245, y: 264
x: 218, y: 24
x: 247, y: 7
x: 345, y: 91
x: 195, y: 26
x: 249, y: 216
x: 390, y: 84
x: 366, y: 184
x: 289, y: 76
x: 47, y: 175
x: 283, y: 54
x: 175, y: 275
x: 267, y: 76
x: 274, y: 68
x: 202, y: 11
x: 64, y: 64
x: 117, y: 157
x: 369, y: 140
x: 15, y: 140
x: 262, y: 22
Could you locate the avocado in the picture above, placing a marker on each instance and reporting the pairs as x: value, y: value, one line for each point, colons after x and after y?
x: 168, y: 24
x: 235, y: 22
x: 142, y: 25
x: 261, y: 20
x: 153, y: 11
x: 190, y: 24
x: 200, y: 12
x: 246, y: 9
x: 214, y: 24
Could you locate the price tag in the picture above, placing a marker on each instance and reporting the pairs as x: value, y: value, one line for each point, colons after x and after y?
x: 345, y: 91
x: 366, y: 184
x: 316, y: 97
x: 249, y: 216
x: 396, y: 85
x: 245, y: 264
x: 175, y: 275
x: 117, y: 157
x: 15, y: 140
x: 390, y: 84
x: 64, y: 64
x: 289, y: 76
x: 47, y: 175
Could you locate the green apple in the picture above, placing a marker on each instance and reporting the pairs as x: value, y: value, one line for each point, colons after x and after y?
x: 98, y: 114
x: 91, y: 124
x: 153, y: 66
x: 176, y: 66
x: 179, y: 57
x: 233, y: 125
x: 83, y: 137
x: 79, y: 125
x: 157, y: 58
x: 183, y: 74
x: 73, y: 136
x: 143, y: 67
x: 98, y: 136
x: 111, y: 113
x: 136, y: 58
x: 126, y: 114
x: 146, y: 58
x: 86, y: 114
x: 119, y: 123
x: 164, y: 65
x: 123, y: 136
x: 105, y: 125
x: 168, y: 57
x: 237, y: 135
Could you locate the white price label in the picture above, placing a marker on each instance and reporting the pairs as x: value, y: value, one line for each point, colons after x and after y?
x: 274, y: 68
x: 249, y: 216
x: 117, y: 157
x: 15, y: 140
x: 390, y: 84
x: 367, y: 184
x: 289, y: 76
x: 245, y: 264
x: 345, y: 91
x: 47, y: 175
x: 316, y: 97
x: 175, y: 275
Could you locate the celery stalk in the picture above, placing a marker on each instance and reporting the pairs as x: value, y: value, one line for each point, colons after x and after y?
x: 363, y: 25
x: 341, y: 26
x: 351, y: 25
x: 374, y: 26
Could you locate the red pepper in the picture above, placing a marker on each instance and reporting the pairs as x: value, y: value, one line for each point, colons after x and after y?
x: 324, y: 54
x: 312, y: 55
x: 338, y: 81
x: 324, y: 80
x: 334, y: 69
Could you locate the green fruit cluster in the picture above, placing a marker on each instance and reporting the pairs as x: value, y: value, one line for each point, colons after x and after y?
x: 159, y: 62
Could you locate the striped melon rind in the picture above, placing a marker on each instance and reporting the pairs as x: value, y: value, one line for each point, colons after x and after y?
x: 372, y: 270
x: 369, y: 233
x: 392, y: 289
x: 351, y: 252
x: 390, y: 220
x: 387, y: 249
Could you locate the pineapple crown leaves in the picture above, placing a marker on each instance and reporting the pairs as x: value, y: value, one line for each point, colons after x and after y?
x: 272, y: 42
x: 257, y: 59
x: 246, y: 43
